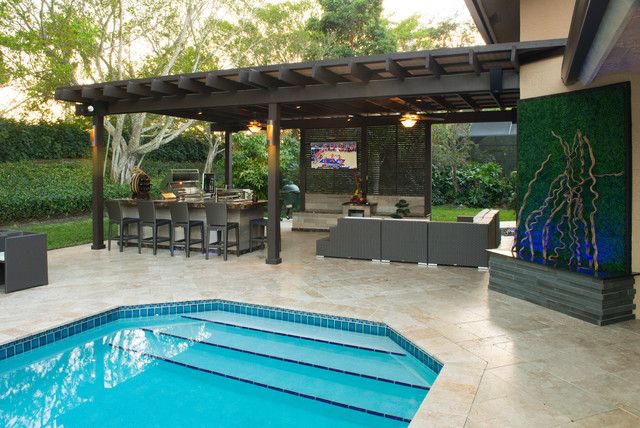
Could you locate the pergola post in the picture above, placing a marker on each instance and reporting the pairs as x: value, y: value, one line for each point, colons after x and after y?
x: 228, y: 159
x: 97, y: 156
x: 273, y: 147
x: 302, y: 167
x: 427, y: 170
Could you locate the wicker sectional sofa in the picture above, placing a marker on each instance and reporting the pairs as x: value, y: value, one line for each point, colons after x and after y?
x: 462, y: 243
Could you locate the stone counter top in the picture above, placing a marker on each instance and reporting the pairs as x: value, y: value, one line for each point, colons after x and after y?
x: 199, y: 203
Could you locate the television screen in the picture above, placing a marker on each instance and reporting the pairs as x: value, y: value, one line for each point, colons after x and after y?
x: 338, y: 155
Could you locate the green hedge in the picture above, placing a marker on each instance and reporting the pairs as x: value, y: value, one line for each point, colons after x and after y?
x: 45, y: 189
x: 23, y: 141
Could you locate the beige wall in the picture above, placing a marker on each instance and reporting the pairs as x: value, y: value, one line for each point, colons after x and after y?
x: 545, y: 19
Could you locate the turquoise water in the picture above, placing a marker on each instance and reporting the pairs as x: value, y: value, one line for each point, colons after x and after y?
x: 213, y: 369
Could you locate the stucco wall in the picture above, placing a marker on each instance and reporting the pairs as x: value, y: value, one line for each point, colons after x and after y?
x: 545, y: 19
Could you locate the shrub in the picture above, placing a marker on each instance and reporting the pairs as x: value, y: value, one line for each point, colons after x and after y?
x: 481, y: 185
x: 23, y: 141
x: 41, y: 189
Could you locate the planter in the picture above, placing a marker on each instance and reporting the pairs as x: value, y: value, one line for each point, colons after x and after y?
x: 599, y: 301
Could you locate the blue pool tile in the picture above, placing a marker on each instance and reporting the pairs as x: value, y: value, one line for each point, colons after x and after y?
x: 10, y: 351
x: 3, y: 353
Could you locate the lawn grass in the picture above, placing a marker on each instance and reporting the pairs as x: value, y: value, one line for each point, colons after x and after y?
x: 63, y: 234
x: 451, y: 213
x: 78, y: 231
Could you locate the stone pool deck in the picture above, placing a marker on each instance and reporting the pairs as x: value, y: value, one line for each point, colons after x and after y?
x: 507, y: 362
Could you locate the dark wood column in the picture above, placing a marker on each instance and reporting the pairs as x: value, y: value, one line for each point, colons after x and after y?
x: 302, y: 162
x: 273, y: 147
x: 228, y: 159
x: 364, y: 166
x: 97, y: 156
x: 427, y: 170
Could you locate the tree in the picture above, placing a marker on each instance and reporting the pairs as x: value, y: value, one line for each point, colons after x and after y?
x: 349, y: 28
x: 452, y: 148
x: 49, y: 43
x: 411, y: 35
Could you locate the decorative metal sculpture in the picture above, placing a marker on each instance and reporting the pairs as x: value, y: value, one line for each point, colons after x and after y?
x: 140, y: 183
x: 564, y: 224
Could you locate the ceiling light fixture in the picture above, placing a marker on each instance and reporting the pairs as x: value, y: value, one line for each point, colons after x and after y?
x: 254, y: 126
x: 408, y: 120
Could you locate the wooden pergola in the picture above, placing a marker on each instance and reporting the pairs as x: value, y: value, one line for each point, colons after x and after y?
x: 471, y: 84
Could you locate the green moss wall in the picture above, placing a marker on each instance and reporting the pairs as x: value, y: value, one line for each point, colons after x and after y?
x: 602, y: 114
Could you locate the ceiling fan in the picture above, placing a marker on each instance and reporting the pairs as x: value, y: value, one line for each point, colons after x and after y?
x: 408, y: 120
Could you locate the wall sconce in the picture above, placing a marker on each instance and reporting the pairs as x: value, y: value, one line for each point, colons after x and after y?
x: 92, y: 137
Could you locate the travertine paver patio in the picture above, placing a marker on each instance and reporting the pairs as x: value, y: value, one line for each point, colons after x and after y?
x: 507, y: 362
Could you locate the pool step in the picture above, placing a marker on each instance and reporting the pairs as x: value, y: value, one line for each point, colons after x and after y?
x: 263, y: 385
x: 403, y: 369
x: 283, y: 355
x: 349, y: 339
x: 395, y: 401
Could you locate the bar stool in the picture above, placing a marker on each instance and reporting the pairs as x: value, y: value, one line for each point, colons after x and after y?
x: 147, y: 214
x: 218, y: 221
x: 262, y: 238
x: 114, y: 211
x: 180, y: 217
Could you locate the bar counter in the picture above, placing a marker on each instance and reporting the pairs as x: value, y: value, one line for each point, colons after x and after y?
x: 240, y: 211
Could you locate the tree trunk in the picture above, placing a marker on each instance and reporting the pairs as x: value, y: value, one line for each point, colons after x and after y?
x: 454, y: 179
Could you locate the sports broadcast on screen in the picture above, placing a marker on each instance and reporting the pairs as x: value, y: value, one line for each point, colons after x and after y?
x: 338, y: 155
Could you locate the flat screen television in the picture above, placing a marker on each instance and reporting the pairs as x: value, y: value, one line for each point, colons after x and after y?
x: 335, y: 155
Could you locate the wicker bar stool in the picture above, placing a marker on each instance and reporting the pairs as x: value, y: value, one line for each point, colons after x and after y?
x: 114, y: 211
x: 147, y: 213
x: 180, y: 217
x: 218, y: 221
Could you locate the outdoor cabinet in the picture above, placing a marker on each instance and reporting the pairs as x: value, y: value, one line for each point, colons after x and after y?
x: 23, y: 260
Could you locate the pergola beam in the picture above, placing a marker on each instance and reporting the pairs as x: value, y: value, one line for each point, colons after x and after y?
x: 161, y: 87
x: 138, y: 89
x: 111, y: 91
x: 322, y: 75
x: 414, y: 86
x: 474, y: 63
x: 292, y: 78
x: 192, y: 85
x: 360, y: 72
x: 258, y: 79
x: 433, y: 67
x: 397, y: 70
x: 220, y: 83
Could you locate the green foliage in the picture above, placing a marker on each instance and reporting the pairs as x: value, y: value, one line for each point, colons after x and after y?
x: 44, y: 189
x: 349, y: 28
x: 184, y: 148
x: 481, y: 185
x: 250, y: 161
x: 22, y: 141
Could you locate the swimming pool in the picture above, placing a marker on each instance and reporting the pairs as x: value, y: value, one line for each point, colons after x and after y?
x: 214, y: 363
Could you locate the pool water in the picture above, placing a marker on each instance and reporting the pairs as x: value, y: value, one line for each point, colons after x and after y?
x: 213, y: 369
